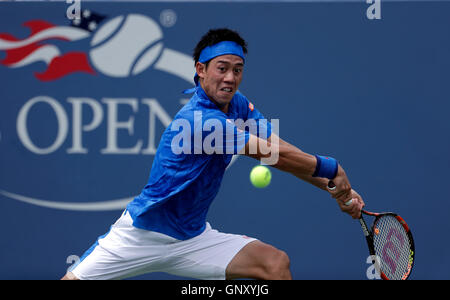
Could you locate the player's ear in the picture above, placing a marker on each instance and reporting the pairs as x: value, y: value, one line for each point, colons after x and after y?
x: 200, y: 68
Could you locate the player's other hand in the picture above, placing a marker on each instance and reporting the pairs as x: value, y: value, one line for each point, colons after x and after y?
x: 355, y: 207
x: 341, y: 187
x: 341, y: 190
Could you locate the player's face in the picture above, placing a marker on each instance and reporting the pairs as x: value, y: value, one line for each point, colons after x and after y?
x: 221, y: 79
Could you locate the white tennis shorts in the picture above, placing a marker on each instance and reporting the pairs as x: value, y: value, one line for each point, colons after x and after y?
x: 127, y: 251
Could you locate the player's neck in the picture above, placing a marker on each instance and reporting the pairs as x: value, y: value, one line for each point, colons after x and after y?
x: 222, y: 106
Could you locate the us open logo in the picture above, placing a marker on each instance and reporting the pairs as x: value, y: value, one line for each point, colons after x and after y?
x: 92, y: 115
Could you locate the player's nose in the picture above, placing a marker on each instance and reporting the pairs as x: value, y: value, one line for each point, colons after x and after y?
x: 229, y: 77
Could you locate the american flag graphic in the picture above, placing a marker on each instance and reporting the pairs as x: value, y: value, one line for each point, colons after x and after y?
x: 38, y: 47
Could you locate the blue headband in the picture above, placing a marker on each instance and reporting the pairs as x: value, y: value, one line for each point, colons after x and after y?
x: 222, y: 48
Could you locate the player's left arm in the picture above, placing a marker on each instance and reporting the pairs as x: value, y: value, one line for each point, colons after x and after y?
x: 288, y: 158
x: 357, y: 202
x: 288, y: 155
x: 291, y: 159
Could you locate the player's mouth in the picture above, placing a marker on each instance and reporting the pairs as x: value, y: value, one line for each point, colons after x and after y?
x: 227, y: 90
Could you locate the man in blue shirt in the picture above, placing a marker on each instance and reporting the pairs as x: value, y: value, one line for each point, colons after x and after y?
x: 164, y: 228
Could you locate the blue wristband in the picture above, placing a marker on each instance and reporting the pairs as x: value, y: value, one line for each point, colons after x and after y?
x: 326, y: 167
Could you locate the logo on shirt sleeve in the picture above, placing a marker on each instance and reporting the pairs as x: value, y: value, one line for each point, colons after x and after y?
x: 251, y: 106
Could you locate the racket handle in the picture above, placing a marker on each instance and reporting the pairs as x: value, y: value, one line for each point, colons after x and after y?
x: 331, y: 186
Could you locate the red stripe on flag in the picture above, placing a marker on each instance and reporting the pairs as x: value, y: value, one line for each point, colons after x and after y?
x: 64, y: 65
x: 37, y: 26
x: 8, y: 37
x: 15, y: 55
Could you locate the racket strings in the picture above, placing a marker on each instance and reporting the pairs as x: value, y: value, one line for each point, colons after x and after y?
x: 392, y: 246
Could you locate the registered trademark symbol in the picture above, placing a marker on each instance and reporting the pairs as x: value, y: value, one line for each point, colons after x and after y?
x: 168, y: 18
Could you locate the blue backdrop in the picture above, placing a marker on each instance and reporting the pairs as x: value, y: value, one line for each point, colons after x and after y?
x: 83, y: 107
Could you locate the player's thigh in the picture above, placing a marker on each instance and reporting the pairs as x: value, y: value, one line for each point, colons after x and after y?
x: 124, y: 251
x: 259, y: 260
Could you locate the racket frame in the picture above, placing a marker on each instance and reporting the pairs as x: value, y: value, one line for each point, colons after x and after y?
x: 368, y: 233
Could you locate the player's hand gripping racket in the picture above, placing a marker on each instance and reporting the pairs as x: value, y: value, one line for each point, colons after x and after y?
x: 390, y: 243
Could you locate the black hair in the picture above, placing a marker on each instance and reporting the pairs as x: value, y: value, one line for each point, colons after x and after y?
x: 214, y: 36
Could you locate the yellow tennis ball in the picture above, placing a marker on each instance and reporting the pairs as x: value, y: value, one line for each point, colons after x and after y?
x: 260, y: 176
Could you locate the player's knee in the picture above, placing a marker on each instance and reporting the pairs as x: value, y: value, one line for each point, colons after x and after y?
x: 277, y: 266
x: 69, y: 276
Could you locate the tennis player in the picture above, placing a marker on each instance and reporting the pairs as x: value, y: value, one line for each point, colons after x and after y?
x: 164, y: 229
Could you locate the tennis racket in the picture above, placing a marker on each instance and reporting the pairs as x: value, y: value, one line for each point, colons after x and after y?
x: 390, y: 243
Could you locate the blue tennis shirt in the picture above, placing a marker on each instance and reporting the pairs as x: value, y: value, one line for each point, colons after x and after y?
x: 182, y: 186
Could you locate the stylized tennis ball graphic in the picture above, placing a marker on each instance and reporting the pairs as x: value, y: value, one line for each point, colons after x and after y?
x: 126, y: 45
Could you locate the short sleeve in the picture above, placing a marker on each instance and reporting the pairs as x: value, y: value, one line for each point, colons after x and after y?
x: 218, y: 135
x: 262, y: 128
